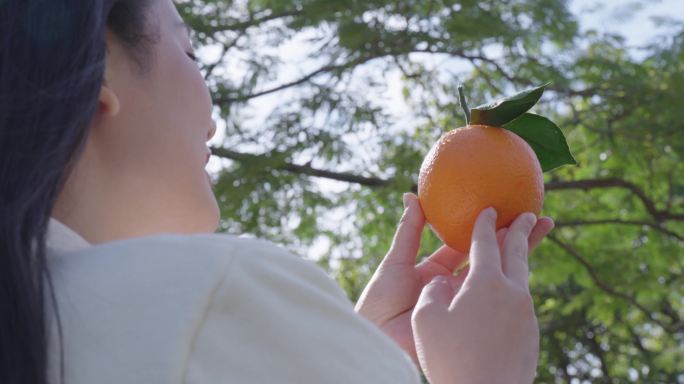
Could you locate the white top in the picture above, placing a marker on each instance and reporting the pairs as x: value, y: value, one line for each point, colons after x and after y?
x: 208, y: 308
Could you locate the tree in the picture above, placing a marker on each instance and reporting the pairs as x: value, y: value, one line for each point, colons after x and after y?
x: 319, y: 151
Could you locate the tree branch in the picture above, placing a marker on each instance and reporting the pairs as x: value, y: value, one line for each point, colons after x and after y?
x: 659, y: 215
x: 325, y: 69
x: 654, y: 226
x: 251, y: 22
x: 305, y: 169
x: 473, y: 57
x: 610, y: 290
x: 376, y: 55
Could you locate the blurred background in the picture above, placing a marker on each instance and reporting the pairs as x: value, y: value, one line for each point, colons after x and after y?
x: 326, y: 109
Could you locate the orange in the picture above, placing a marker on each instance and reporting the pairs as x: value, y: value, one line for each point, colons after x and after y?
x: 473, y: 168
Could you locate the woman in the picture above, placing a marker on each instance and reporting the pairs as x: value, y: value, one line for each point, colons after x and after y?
x: 110, y: 270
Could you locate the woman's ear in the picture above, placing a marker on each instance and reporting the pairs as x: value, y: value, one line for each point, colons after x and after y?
x: 108, y: 104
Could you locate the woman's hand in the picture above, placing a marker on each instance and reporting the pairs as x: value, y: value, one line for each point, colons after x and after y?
x: 391, y: 295
x: 483, y: 330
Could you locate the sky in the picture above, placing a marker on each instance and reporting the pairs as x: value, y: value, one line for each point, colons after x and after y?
x: 630, y: 18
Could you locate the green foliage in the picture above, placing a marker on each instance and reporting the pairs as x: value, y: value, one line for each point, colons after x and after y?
x: 303, y: 87
x: 506, y: 109
x: 545, y: 138
x: 509, y: 112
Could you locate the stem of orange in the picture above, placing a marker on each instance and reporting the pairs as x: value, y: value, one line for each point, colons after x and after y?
x: 464, y: 104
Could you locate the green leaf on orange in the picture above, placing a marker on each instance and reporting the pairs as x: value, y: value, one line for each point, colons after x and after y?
x: 506, y: 109
x: 545, y: 138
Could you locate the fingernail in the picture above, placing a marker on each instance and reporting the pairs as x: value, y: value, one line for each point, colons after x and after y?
x: 530, y: 218
x: 491, y: 212
x: 440, y: 279
x: 405, y: 197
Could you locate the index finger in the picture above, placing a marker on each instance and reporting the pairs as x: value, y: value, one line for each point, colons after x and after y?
x: 484, y: 250
x: 515, y: 249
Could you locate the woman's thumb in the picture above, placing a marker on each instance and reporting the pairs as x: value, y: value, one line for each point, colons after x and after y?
x: 435, y: 297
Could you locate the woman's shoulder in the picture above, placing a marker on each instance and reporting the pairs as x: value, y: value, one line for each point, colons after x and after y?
x: 140, y: 301
x: 186, y: 269
x: 168, y: 251
x: 175, y: 259
x: 222, y: 307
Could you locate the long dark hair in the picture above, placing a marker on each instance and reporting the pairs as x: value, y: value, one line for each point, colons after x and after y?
x: 52, y: 60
